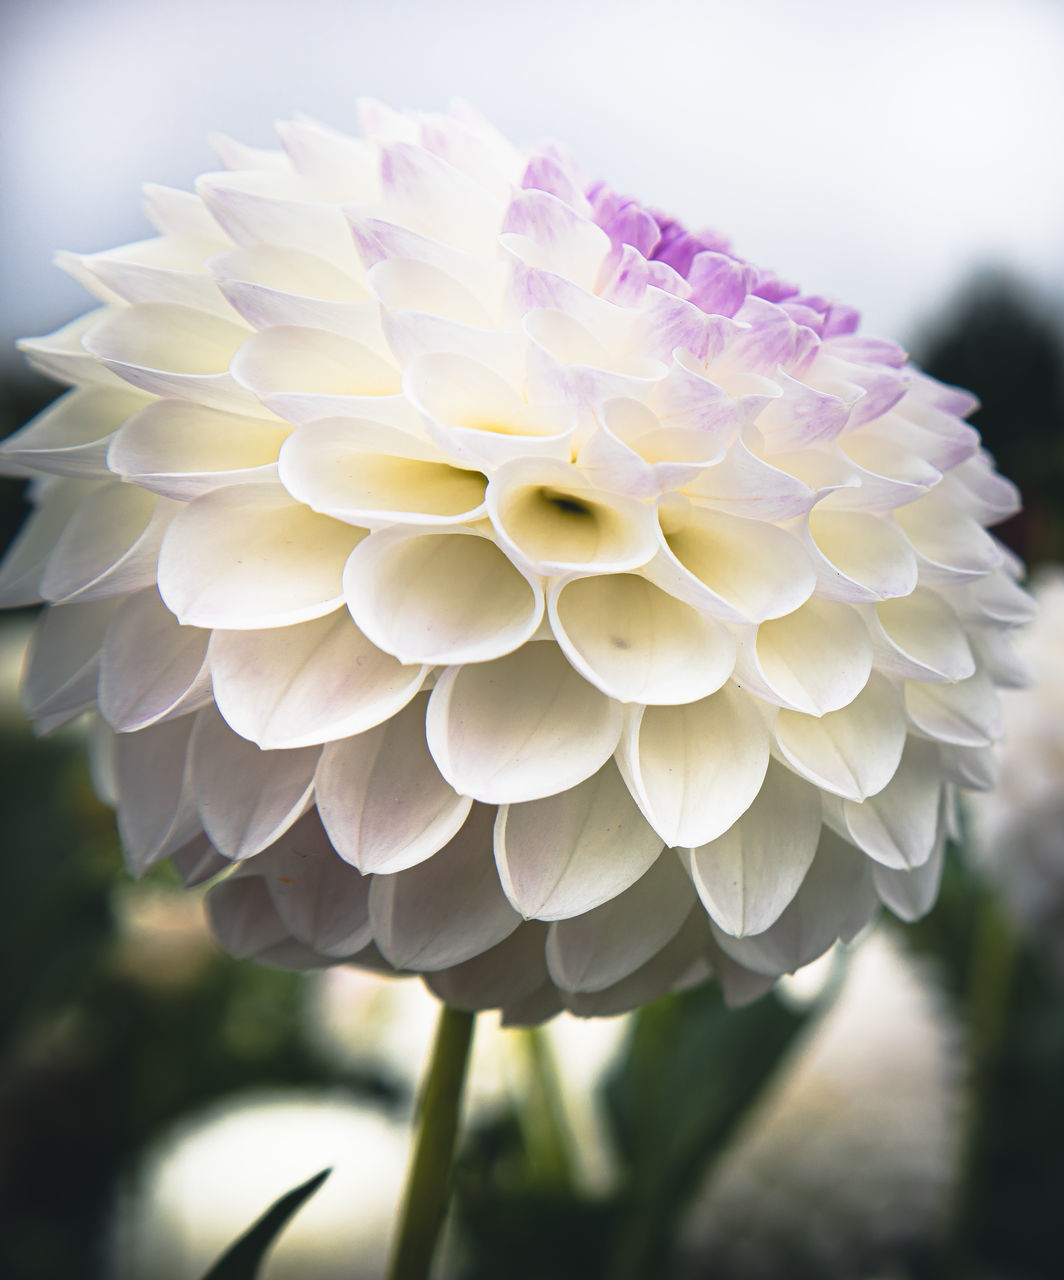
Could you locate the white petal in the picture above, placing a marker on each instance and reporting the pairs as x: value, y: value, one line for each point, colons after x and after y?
x: 947, y: 538
x: 362, y: 473
x: 279, y: 208
x: 994, y: 653
x: 682, y: 960
x: 246, y: 797
x: 997, y: 597
x: 747, y: 876
x: 447, y: 597
x: 307, y: 684
x: 109, y: 546
x: 860, y: 557
x: 921, y: 636
x: 63, y: 356
x: 740, y: 570
x: 173, y: 351
x: 180, y: 213
x: 742, y: 484
x: 520, y: 728
x: 382, y: 799
x: 27, y: 557
x: 506, y: 974
x: 974, y: 768
x: 447, y: 909
x: 289, y: 360
x: 815, y: 660
x: 637, y: 643
x: 601, y: 947
x: 181, y: 449
x: 429, y: 195
x: 695, y: 769
x: 247, y: 556
x: 569, y: 853
x: 836, y: 899
x: 150, y: 666
x: 550, y: 519
x: 71, y: 436
x: 852, y: 752
x: 899, y: 826
x: 967, y: 713
x: 62, y: 661
x: 476, y: 415
x: 323, y: 901
x: 156, y: 813
x: 244, y: 919
x: 911, y: 894
x: 165, y: 269
x: 405, y: 284
x: 198, y: 861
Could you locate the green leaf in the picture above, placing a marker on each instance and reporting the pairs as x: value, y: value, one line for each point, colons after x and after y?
x: 241, y: 1261
x: 692, y: 1070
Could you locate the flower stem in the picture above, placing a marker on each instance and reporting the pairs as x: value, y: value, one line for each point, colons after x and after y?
x: 543, y: 1116
x: 428, y: 1184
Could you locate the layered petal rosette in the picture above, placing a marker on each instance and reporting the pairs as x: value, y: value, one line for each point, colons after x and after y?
x: 488, y: 578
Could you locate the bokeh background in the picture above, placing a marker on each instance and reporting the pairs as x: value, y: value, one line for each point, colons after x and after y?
x: 906, y: 159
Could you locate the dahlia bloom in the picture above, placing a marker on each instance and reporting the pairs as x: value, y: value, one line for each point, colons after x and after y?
x: 502, y: 582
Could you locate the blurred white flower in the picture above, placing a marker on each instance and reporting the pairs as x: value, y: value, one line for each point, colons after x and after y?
x: 850, y: 1155
x: 215, y: 1174
x: 518, y: 588
x: 1018, y: 829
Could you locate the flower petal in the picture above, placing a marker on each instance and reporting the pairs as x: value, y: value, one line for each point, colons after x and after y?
x: 860, y: 557
x: 151, y: 667
x: 816, y: 659
x: 181, y: 449
x: 382, y: 799
x: 739, y: 570
x: 695, y: 769
x: 307, y: 684
x: 440, y: 597
x: 569, y: 853
x: 109, y: 546
x: 247, y: 798
x: 156, y: 812
x: 637, y: 643
x: 71, y: 436
x: 551, y: 520
x: 322, y: 900
x: 747, y: 876
x: 836, y: 900
x: 898, y: 827
x: 853, y: 752
x: 503, y: 976
x: 62, y: 662
x: 594, y: 950
x: 247, y: 556
x: 967, y: 712
x: 520, y: 728
x: 920, y: 636
x: 362, y: 473
x: 447, y: 909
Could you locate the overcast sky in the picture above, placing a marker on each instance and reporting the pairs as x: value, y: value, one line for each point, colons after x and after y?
x: 878, y: 153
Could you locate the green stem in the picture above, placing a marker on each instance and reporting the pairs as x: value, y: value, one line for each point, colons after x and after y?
x: 429, y: 1180
x: 543, y: 1118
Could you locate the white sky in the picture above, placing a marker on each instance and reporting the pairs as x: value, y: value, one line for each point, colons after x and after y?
x: 875, y: 152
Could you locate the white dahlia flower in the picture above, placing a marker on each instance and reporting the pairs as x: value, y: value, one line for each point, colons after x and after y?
x: 504, y: 583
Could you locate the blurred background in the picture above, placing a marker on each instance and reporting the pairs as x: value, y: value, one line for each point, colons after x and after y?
x: 154, y: 1095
